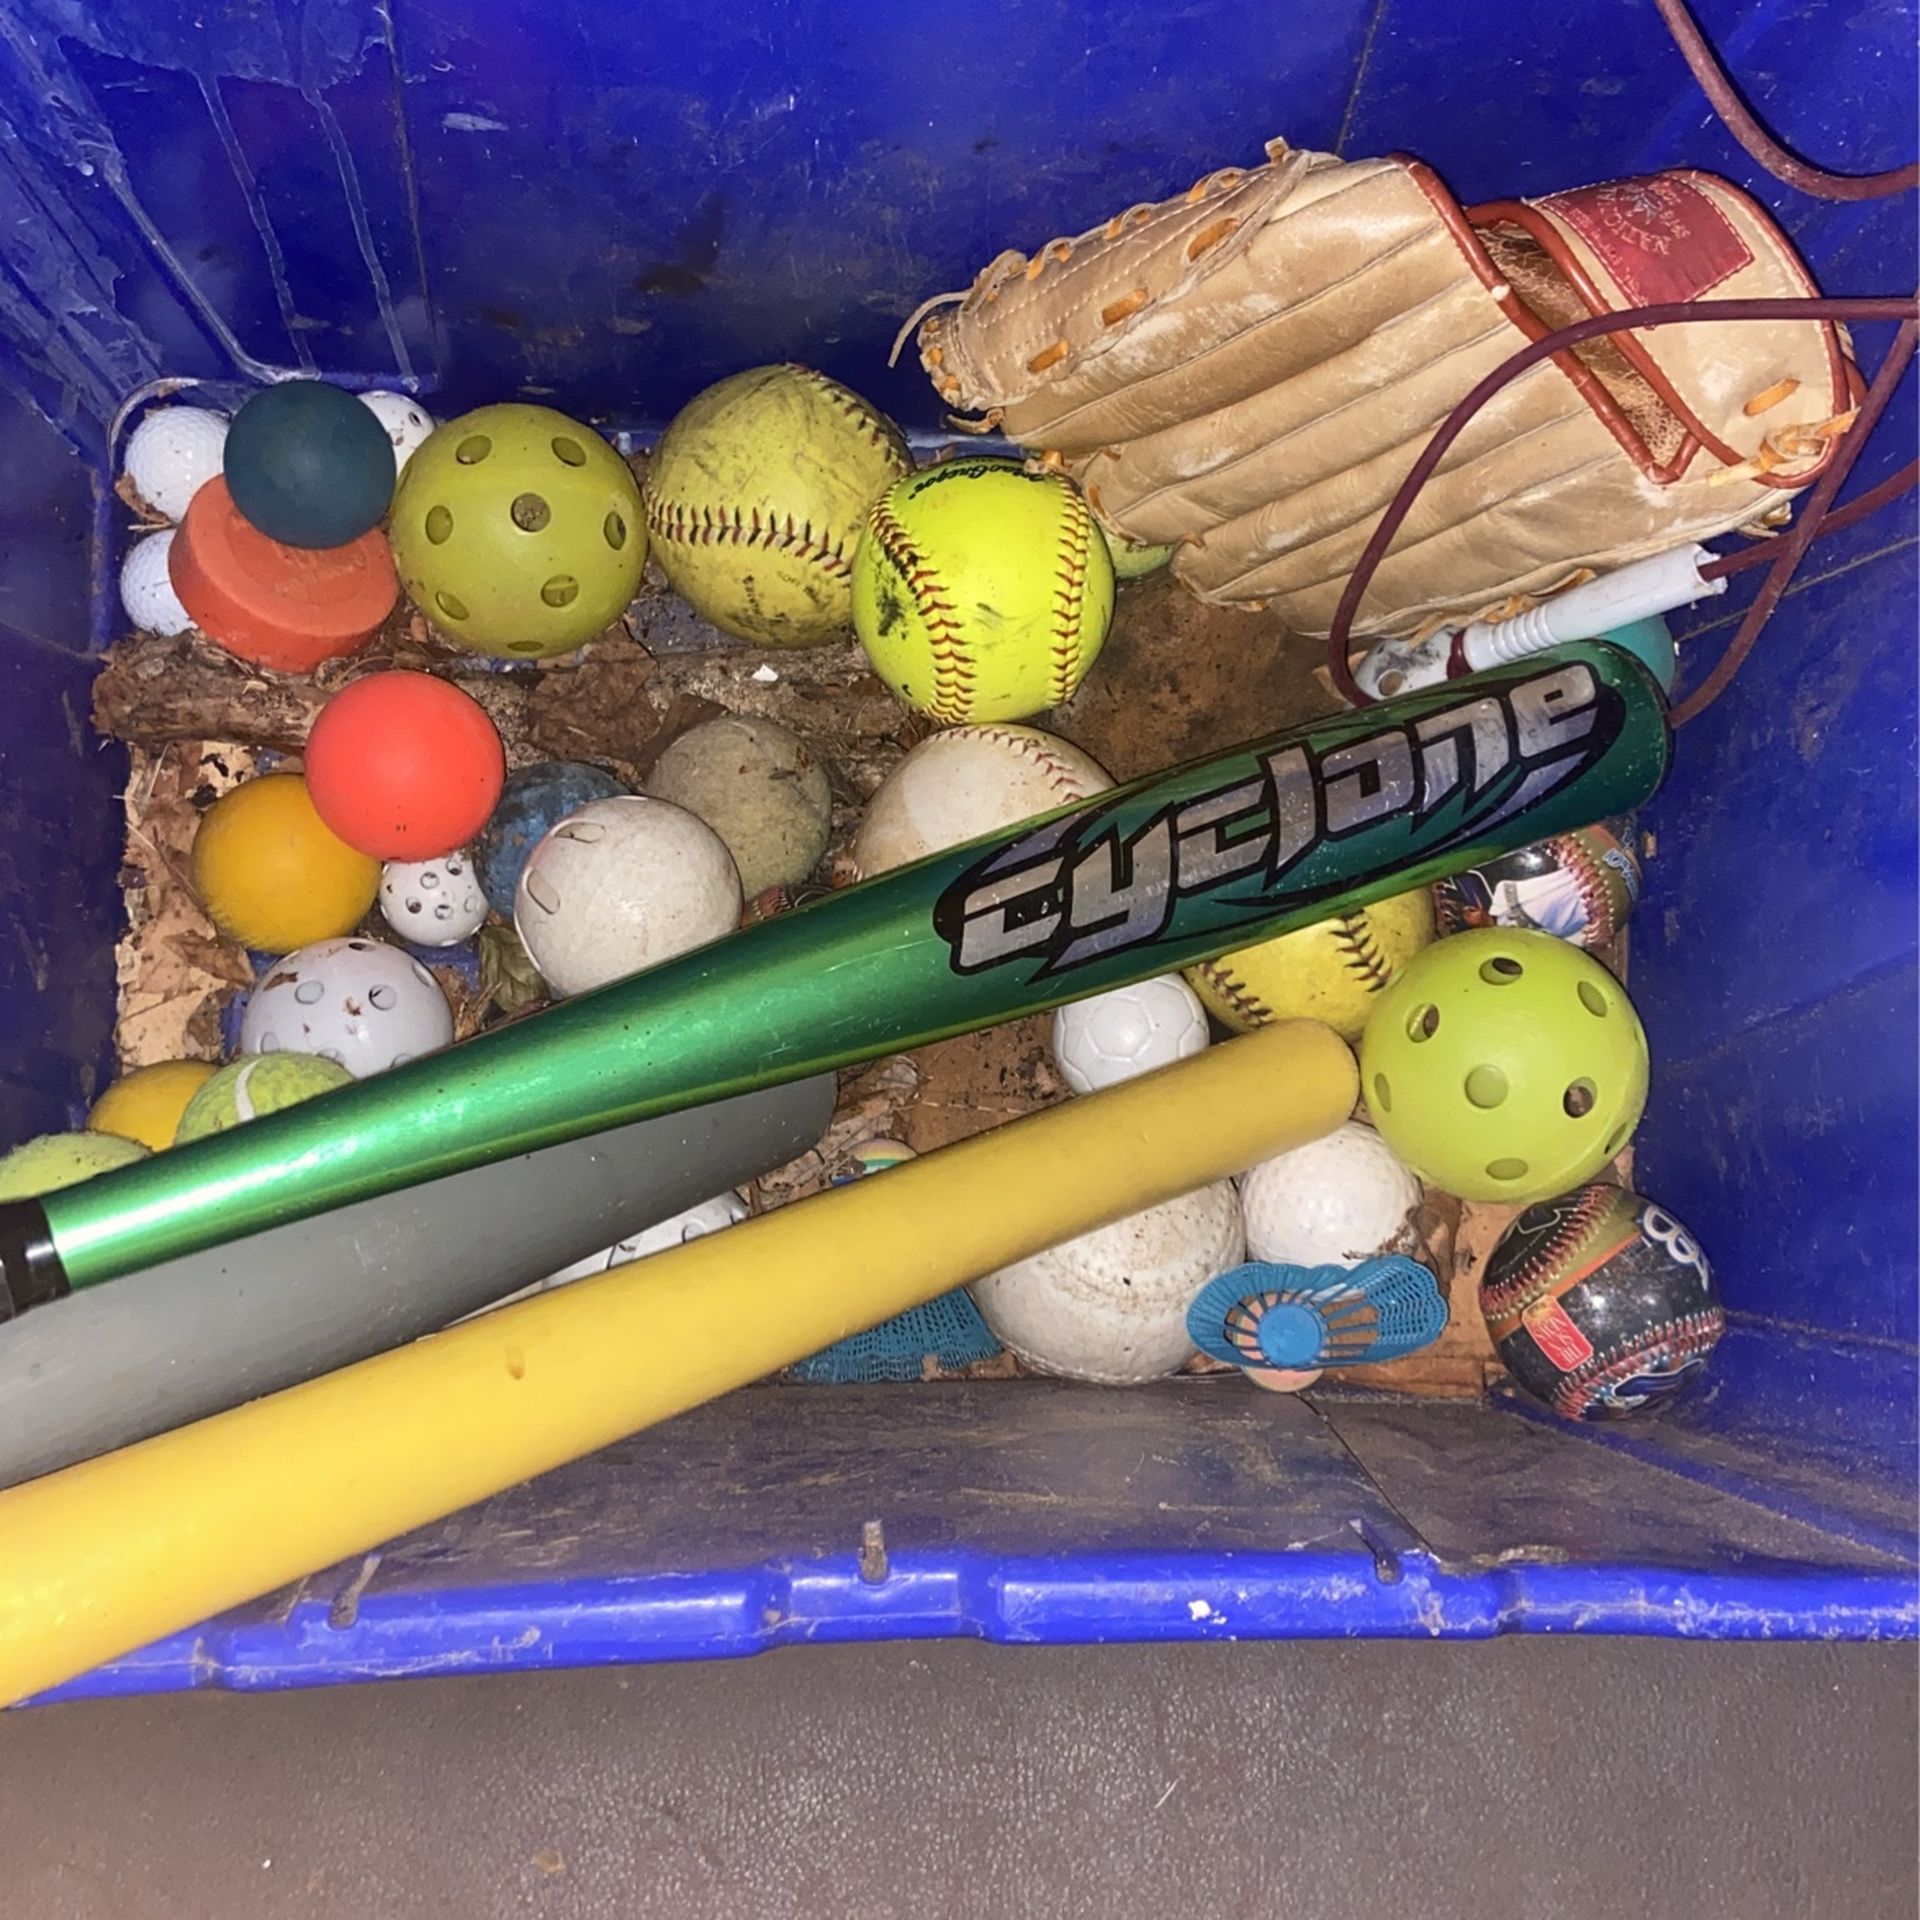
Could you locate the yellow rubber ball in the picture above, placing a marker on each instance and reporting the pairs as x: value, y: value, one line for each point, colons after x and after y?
x: 272, y: 874
x: 756, y: 496
x: 146, y: 1104
x: 518, y: 532
x: 1333, y: 971
x: 981, y: 590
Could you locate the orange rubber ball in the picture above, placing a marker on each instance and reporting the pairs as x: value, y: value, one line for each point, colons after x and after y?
x: 404, y: 766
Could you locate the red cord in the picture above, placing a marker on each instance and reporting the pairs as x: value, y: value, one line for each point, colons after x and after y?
x: 1759, y: 552
x: 1739, y: 121
x: 1792, y: 546
x: 1678, y: 312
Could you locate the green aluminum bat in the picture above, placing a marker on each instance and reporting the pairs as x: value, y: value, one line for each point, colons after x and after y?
x: 1139, y: 880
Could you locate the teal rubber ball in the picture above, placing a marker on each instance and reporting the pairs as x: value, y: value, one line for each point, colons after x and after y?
x: 308, y: 465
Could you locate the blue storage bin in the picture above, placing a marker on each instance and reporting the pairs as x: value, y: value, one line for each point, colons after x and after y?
x: 606, y: 208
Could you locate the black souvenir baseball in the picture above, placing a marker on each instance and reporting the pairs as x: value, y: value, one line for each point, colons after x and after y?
x: 1600, y: 1304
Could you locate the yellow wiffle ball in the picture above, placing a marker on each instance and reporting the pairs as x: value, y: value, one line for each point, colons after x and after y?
x: 982, y: 591
x: 755, y: 499
x: 1333, y: 971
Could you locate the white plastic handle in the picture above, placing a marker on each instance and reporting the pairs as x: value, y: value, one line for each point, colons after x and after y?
x: 1657, y: 584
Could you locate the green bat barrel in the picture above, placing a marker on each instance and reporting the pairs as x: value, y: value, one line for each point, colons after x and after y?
x: 1140, y: 880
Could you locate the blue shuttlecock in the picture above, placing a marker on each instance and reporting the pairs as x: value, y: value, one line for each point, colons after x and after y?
x: 1298, y: 1318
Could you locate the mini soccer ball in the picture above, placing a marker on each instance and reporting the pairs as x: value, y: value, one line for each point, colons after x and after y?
x: 1113, y: 1036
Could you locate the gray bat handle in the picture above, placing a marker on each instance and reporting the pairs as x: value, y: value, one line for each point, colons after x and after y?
x: 107, y: 1366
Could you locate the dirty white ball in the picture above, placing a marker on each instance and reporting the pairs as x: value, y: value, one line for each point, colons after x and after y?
x: 1113, y: 1036
x: 146, y: 590
x: 709, y: 1216
x: 433, y: 903
x: 955, y: 786
x: 362, y: 1004
x: 172, y: 454
x: 1111, y: 1306
x: 619, y: 886
x: 407, y: 423
x: 762, y: 789
x: 1333, y: 1202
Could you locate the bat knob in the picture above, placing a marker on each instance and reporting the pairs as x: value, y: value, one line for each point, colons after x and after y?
x: 31, y: 1272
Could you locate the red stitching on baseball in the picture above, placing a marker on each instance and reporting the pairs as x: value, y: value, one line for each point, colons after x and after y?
x: 1235, y: 992
x: 849, y: 403
x: 1355, y: 940
x: 708, y: 526
x: 1589, y: 882
x: 1069, y: 601
x: 1690, y: 1334
x: 1060, y: 776
x: 953, y: 671
x: 1535, y: 1274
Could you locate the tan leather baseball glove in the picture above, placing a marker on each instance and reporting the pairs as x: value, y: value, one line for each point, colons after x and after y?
x: 1251, y: 369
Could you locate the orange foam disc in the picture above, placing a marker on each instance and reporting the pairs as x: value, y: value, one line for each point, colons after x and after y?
x: 283, y: 607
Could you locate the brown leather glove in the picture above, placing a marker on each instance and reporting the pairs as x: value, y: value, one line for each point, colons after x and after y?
x: 1250, y: 370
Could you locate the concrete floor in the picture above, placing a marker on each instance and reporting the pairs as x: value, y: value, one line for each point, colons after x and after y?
x: 1559, y: 1779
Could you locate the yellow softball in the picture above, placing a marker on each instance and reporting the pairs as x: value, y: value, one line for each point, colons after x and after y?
x: 755, y: 499
x: 1332, y: 971
x: 982, y: 591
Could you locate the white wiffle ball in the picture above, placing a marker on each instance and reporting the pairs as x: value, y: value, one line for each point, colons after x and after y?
x: 1101, y: 1041
x: 362, y: 1004
x: 621, y: 885
x: 707, y: 1216
x: 407, y: 422
x: 433, y: 903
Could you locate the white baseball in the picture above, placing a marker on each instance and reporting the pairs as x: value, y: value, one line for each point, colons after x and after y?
x: 1333, y: 1202
x: 407, y: 422
x: 621, y: 885
x: 172, y: 454
x: 362, y: 1004
x: 955, y: 786
x: 146, y: 587
x: 1111, y: 1037
x: 1111, y: 1306
x: 433, y: 903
